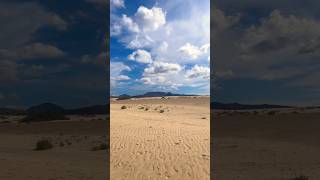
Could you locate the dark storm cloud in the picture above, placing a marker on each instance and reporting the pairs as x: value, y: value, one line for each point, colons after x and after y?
x: 274, y: 42
x: 32, y: 51
x: 53, y: 51
x: 20, y: 21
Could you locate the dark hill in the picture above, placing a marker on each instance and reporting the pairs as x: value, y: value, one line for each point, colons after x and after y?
x: 97, y: 109
x: 45, y: 112
x: 152, y: 94
x: 46, y: 107
x: 237, y: 106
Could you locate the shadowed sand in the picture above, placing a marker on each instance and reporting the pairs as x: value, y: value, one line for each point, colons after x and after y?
x: 71, y: 158
x: 160, y: 138
x: 266, y: 144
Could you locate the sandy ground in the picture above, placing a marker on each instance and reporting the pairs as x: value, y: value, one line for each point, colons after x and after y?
x: 263, y: 146
x: 150, y: 145
x: 71, y: 158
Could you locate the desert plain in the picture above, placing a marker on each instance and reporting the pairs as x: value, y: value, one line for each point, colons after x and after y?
x: 267, y: 144
x: 78, y: 149
x: 160, y: 138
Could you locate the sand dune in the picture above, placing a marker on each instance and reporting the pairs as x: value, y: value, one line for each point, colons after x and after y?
x: 160, y: 139
x: 266, y: 146
x: 71, y: 158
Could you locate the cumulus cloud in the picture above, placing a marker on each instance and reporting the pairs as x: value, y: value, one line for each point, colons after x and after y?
x: 174, y: 77
x: 117, y: 67
x: 121, y: 78
x: 163, y: 47
x: 150, y: 19
x: 139, y: 41
x: 158, y: 67
x: 170, y: 45
x: 129, y: 24
x: 117, y: 3
x: 194, y: 52
x: 140, y: 56
x: 198, y: 71
x: 116, y: 70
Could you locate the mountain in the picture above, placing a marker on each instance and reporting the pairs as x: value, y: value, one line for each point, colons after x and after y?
x: 237, y: 106
x: 45, y: 108
x: 152, y: 94
x: 97, y: 109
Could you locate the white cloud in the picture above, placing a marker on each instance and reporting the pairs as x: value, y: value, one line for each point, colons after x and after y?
x: 122, y: 78
x: 140, y: 41
x: 194, y: 52
x: 146, y: 80
x: 163, y: 47
x: 117, y: 3
x: 198, y: 72
x: 150, y: 19
x: 174, y: 76
x: 140, y: 56
x: 116, y: 70
x: 117, y: 67
x: 159, y: 67
x: 115, y: 29
x: 163, y: 36
x: 129, y: 24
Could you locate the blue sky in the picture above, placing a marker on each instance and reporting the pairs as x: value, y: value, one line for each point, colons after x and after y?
x: 160, y: 46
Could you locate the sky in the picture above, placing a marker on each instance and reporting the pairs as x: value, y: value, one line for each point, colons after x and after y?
x: 160, y: 46
x: 53, y: 51
x: 266, y: 52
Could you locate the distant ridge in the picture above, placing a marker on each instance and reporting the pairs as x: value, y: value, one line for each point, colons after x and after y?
x: 96, y: 109
x: 45, y: 108
x: 12, y: 111
x: 152, y: 94
x: 237, y: 106
x: 54, y: 108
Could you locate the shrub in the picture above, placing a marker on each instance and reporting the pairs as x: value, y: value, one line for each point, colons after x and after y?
x: 43, y: 145
x: 146, y: 109
x: 301, y: 178
x: 161, y: 111
x: 123, y: 107
x: 5, y: 122
x: 124, y: 97
x: 102, y: 146
x: 271, y: 112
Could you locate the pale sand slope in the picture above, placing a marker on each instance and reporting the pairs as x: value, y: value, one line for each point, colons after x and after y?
x: 149, y: 145
x: 73, y: 161
x: 283, y: 146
